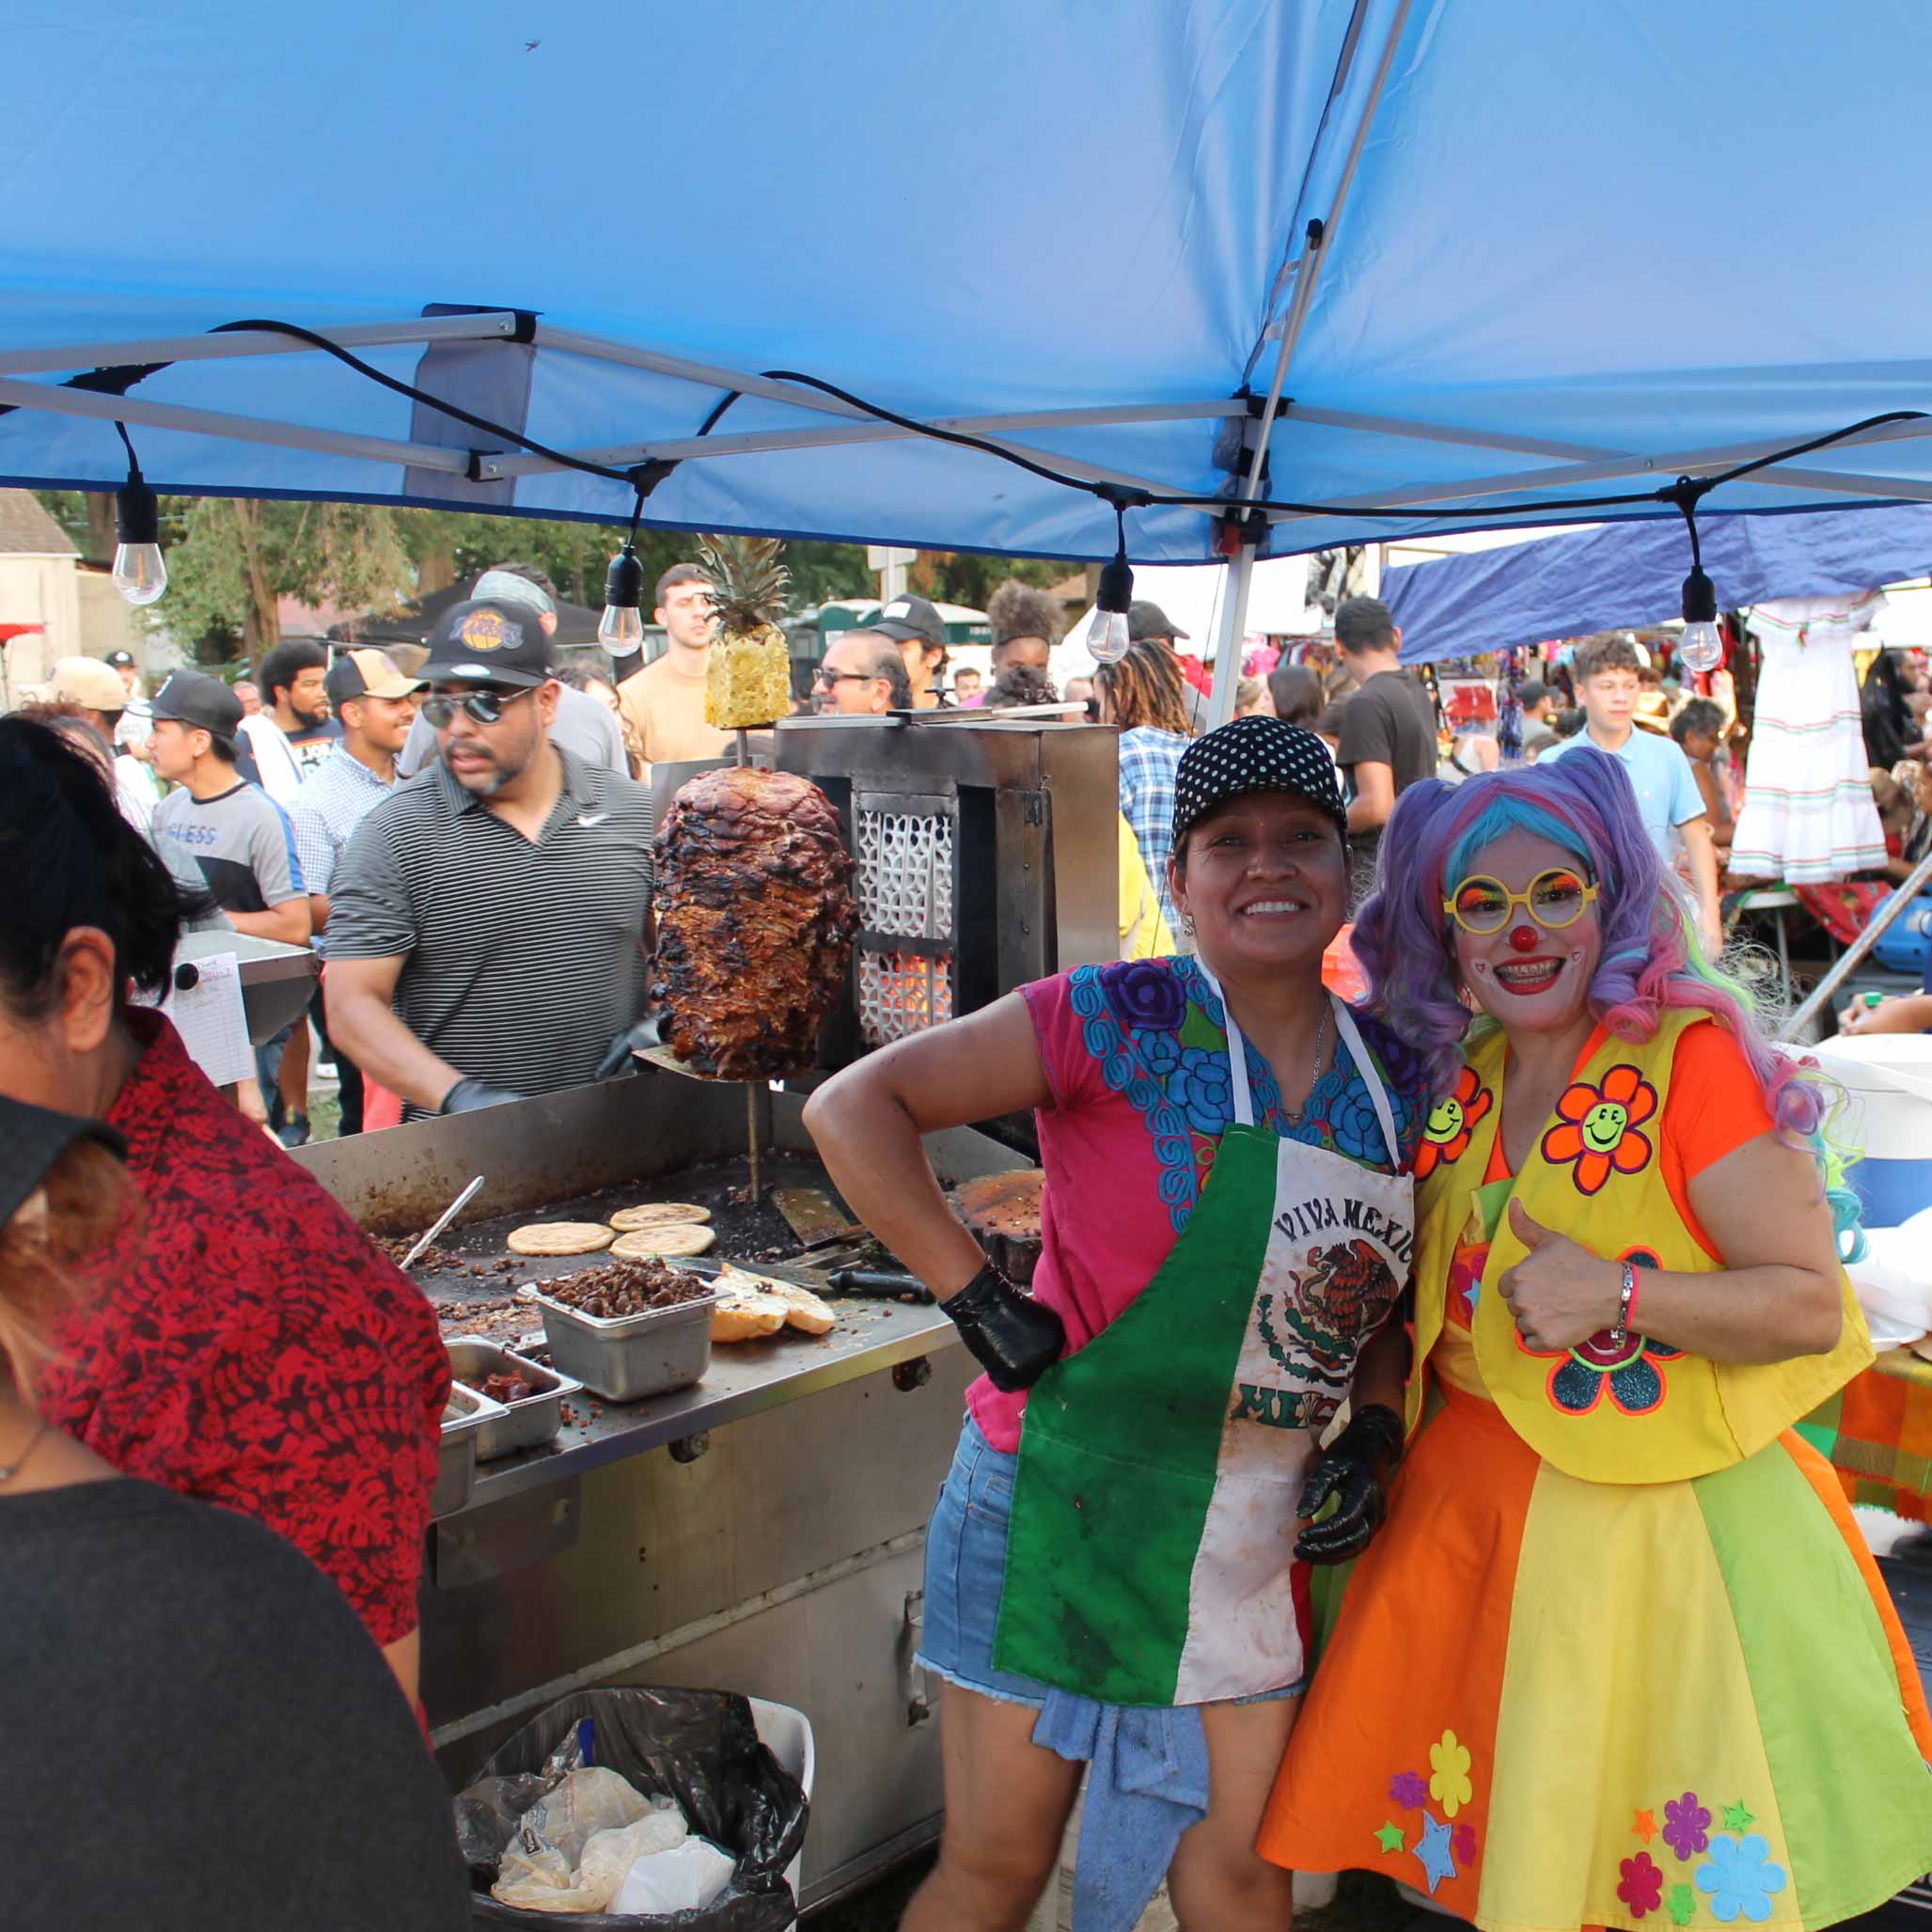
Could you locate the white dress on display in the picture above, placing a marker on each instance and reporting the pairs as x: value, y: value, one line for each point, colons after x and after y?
x: 1809, y: 815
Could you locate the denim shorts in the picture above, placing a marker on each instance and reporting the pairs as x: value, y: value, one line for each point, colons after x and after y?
x: 965, y: 1569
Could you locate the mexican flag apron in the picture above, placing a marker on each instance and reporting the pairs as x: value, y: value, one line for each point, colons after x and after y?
x: 1150, y: 1554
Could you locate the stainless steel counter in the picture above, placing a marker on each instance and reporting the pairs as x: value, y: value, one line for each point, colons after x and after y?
x: 744, y: 1379
x: 762, y: 1532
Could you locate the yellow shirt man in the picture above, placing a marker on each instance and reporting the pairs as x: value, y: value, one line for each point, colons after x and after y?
x: 663, y: 703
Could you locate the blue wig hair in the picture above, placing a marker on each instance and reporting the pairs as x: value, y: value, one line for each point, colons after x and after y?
x: 1651, y: 962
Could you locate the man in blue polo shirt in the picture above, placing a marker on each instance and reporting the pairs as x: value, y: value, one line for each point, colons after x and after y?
x: 1667, y: 795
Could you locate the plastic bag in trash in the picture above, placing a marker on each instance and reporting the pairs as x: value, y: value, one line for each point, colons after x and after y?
x: 489, y: 1813
x: 541, y: 1882
x: 685, y: 1879
x: 586, y: 1803
x: 702, y: 1749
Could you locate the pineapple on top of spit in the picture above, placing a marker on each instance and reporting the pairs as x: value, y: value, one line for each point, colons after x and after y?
x: 748, y: 685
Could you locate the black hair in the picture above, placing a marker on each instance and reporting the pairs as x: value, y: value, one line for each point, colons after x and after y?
x: 1566, y: 724
x: 1700, y: 717
x: 1364, y: 624
x: 1018, y: 684
x: 279, y: 670
x: 1298, y: 694
x: 70, y: 859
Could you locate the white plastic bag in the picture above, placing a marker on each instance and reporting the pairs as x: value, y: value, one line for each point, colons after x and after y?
x: 683, y: 1879
x: 535, y: 1876
x: 1893, y: 1280
x: 586, y: 1803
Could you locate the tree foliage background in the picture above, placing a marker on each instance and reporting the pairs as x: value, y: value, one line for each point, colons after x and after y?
x: 230, y: 562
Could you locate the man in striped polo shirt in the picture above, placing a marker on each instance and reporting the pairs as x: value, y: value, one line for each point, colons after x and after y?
x: 489, y: 922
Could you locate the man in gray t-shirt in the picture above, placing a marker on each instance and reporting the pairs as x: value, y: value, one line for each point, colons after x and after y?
x: 219, y: 834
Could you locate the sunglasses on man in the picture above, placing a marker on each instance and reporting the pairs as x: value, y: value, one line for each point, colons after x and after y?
x: 485, y: 706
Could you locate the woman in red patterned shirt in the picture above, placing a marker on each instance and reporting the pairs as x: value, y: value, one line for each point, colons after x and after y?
x: 247, y: 1345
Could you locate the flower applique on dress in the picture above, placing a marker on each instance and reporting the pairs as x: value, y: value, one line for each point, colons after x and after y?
x: 1640, y: 1885
x: 1451, y: 1124
x: 1596, y: 1128
x: 1740, y: 1878
x: 1628, y: 1372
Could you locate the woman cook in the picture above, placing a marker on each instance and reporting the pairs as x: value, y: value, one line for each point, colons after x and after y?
x: 1620, y: 1654
x: 1112, y: 1571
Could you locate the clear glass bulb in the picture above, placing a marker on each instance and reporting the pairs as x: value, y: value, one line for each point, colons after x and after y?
x: 139, y: 574
x: 1701, y: 648
x: 621, y: 630
x: 1106, y: 637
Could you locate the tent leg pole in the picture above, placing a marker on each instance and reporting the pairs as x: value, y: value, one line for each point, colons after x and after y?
x: 1821, y: 993
x: 1227, y: 636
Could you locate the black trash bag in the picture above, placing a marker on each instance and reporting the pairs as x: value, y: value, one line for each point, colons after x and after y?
x: 700, y: 1747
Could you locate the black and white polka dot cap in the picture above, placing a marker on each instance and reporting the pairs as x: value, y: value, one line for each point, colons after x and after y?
x: 1255, y: 754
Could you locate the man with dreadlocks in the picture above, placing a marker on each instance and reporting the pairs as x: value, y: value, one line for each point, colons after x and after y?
x: 1145, y: 696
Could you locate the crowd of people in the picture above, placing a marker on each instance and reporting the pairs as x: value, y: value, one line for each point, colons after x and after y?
x: 1611, y: 1213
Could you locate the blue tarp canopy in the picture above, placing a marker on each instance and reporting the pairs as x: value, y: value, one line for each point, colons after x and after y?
x: 1633, y: 573
x: 1563, y: 250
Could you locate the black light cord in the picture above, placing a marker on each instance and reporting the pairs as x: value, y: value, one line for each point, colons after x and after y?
x: 1685, y: 493
x: 636, y: 476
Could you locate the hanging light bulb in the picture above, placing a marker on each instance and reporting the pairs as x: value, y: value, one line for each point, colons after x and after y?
x: 620, y: 630
x: 1702, y: 646
x: 139, y: 574
x: 1106, y: 635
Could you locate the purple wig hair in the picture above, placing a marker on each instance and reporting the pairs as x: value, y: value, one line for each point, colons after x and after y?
x: 1651, y: 962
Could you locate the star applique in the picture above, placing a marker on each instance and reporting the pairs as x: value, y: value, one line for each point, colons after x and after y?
x: 1436, y: 1859
x: 1390, y: 1837
x: 1737, y: 1818
x: 1644, y: 1825
x: 1681, y: 1904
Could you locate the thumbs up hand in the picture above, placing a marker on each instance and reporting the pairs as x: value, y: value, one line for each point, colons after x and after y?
x: 1559, y: 1294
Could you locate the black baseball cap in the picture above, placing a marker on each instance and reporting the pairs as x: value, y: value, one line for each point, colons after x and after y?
x: 1531, y: 691
x: 31, y: 1139
x: 1254, y: 754
x: 121, y: 660
x: 906, y: 617
x: 1148, y: 620
x: 192, y: 698
x: 487, y: 642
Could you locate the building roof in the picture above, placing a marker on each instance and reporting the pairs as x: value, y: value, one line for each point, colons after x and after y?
x: 27, y: 531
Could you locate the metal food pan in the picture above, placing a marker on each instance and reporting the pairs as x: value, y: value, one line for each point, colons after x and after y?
x: 456, y: 1467
x: 635, y: 1356
x: 525, y: 1424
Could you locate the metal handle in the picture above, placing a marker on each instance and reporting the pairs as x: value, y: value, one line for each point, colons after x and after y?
x: 449, y: 1215
x: 1854, y: 954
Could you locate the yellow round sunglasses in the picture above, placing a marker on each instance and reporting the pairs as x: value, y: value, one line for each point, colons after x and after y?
x: 1554, y: 899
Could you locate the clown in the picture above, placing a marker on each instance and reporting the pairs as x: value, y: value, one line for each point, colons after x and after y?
x: 1618, y: 1652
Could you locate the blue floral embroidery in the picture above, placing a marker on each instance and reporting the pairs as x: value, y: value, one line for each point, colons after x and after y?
x: 1133, y: 1017
x: 1740, y: 1879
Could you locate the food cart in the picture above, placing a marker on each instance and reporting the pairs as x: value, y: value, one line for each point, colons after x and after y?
x: 763, y: 1529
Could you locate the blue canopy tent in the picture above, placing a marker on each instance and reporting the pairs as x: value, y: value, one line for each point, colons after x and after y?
x: 1633, y: 573
x: 1451, y: 258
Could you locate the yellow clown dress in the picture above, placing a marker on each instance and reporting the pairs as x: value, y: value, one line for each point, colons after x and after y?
x: 1620, y: 1656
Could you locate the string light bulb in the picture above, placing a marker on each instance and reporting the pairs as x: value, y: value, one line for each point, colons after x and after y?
x: 140, y: 572
x: 620, y: 630
x: 1106, y: 635
x: 1702, y: 646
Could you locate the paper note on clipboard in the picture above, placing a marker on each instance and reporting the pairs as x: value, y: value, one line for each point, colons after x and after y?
x: 209, y: 1015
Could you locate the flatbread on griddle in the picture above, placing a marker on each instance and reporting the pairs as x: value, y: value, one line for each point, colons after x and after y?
x: 659, y: 1214
x: 680, y: 1237
x: 559, y: 1237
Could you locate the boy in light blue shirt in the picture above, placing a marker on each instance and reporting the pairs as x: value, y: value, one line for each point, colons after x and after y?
x: 1659, y: 774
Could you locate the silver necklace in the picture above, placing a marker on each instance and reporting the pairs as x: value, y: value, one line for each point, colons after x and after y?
x: 1295, y: 1116
x: 9, y: 1470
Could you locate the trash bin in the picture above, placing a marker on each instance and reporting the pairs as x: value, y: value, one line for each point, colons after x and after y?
x: 700, y: 1747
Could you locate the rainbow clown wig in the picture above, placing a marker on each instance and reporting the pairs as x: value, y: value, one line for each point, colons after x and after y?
x: 1651, y: 962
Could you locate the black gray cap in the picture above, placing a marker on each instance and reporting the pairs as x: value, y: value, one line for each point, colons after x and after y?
x: 906, y: 617
x: 1255, y: 754
x: 192, y: 698
x: 31, y: 1139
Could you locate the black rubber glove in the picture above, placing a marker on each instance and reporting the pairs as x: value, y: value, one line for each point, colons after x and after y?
x: 1016, y: 1338
x: 468, y: 1096
x: 633, y: 1041
x: 1354, y: 1470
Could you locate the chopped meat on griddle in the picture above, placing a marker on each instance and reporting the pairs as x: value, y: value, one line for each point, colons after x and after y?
x: 755, y: 919
x: 626, y: 1288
